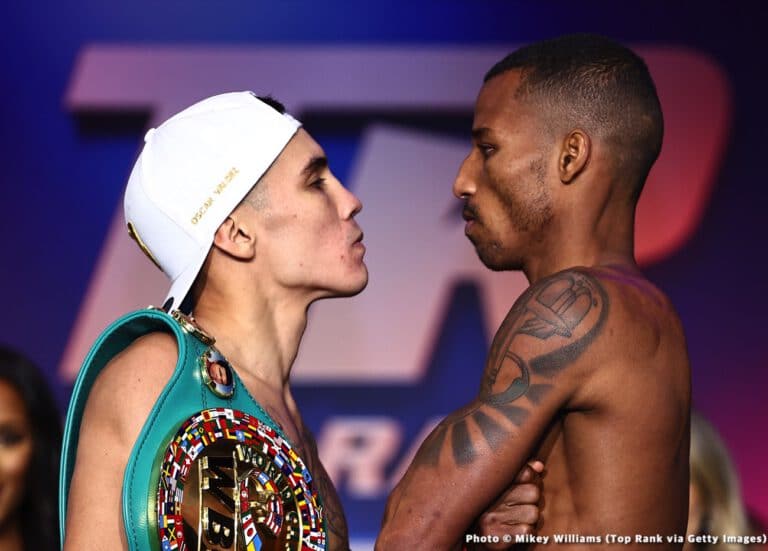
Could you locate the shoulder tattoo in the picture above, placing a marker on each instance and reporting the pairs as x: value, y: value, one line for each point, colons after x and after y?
x: 564, y: 313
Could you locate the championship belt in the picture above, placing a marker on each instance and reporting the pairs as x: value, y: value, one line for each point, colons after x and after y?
x: 210, y: 469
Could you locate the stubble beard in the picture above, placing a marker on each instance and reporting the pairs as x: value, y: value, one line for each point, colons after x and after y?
x: 528, y: 217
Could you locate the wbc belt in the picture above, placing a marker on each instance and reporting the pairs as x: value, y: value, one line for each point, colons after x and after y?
x: 210, y: 469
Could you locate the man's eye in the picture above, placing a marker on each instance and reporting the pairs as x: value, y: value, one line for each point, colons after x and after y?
x: 486, y: 150
x: 319, y: 183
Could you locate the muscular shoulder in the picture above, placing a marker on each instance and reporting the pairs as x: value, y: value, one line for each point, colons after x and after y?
x: 126, y: 389
x: 568, y: 325
x: 640, y: 345
x: 643, y: 319
x: 547, y: 335
x: 580, y: 333
x: 566, y: 311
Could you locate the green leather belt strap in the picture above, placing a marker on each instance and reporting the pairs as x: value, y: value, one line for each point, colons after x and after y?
x: 185, y: 395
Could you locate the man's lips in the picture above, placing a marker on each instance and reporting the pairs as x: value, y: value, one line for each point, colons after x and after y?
x: 357, y: 244
x: 469, y: 214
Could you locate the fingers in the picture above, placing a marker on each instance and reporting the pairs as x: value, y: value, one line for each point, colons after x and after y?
x: 510, y: 515
x: 524, y: 515
x: 516, y: 520
x: 522, y: 494
x: 519, y: 529
x: 516, y: 512
x: 530, y: 471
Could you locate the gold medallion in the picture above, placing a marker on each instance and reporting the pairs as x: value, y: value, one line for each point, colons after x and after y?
x: 229, y: 482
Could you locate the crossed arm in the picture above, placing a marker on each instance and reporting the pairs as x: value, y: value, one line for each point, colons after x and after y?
x: 475, y: 453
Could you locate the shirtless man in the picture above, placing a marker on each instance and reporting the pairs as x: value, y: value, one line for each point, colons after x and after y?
x: 589, y: 370
x: 236, y: 203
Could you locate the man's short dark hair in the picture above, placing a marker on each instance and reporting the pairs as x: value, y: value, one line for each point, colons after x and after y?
x: 596, y: 84
x: 273, y: 103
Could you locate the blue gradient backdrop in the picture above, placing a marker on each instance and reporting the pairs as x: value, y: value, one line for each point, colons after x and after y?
x: 61, y: 183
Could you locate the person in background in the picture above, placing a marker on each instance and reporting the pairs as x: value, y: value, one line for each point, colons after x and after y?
x: 30, y: 443
x: 715, y: 503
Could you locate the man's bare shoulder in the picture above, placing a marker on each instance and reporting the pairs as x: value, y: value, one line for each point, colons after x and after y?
x: 642, y: 346
x: 119, y: 402
x: 642, y: 319
x: 627, y: 413
x: 549, y: 339
x: 130, y: 383
x: 620, y: 320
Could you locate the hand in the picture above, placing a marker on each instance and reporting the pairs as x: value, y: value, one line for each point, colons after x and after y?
x: 516, y: 511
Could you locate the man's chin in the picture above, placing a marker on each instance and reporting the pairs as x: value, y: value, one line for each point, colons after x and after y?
x: 359, y: 288
x: 362, y: 283
x: 496, y: 261
x: 351, y: 289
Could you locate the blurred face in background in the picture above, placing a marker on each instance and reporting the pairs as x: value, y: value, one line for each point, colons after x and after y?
x: 695, y: 513
x: 15, y: 451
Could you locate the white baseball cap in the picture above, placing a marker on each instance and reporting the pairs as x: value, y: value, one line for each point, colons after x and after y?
x: 194, y: 169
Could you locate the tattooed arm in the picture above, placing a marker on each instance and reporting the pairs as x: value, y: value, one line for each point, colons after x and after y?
x: 474, y: 454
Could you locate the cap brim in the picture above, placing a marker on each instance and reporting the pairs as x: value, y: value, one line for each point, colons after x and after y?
x: 183, y: 283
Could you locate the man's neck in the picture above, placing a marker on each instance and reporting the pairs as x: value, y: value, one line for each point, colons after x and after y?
x: 609, y: 241
x: 540, y: 268
x: 259, y: 335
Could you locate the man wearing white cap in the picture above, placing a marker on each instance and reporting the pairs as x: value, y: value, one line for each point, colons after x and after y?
x: 187, y: 425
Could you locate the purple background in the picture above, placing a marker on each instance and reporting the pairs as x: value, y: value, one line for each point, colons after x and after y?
x: 63, y: 176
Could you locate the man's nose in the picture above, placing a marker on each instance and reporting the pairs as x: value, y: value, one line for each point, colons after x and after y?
x: 464, y: 184
x: 350, y: 204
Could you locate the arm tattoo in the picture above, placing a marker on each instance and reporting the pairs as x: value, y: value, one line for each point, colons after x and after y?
x: 557, y: 306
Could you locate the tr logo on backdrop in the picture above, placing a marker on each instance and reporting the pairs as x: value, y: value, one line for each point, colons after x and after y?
x: 416, y: 249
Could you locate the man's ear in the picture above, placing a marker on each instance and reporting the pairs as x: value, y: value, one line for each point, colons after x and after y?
x: 574, y: 155
x: 236, y: 237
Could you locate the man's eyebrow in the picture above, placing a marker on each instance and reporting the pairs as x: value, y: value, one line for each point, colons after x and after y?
x: 480, y: 133
x: 315, y: 164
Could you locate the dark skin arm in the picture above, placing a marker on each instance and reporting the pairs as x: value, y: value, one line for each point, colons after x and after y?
x: 515, y: 512
x: 474, y: 454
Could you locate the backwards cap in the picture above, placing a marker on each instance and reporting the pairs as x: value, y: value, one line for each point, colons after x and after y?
x: 194, y: 169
